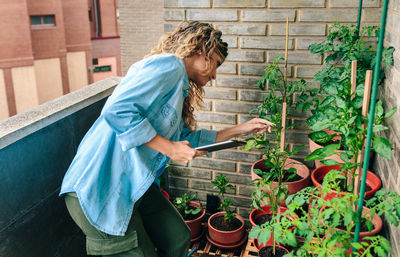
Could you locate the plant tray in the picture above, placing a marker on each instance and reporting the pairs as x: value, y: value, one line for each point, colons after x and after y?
x: 206, y: 249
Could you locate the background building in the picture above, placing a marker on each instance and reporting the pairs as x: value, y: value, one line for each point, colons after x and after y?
x: 53, y: 47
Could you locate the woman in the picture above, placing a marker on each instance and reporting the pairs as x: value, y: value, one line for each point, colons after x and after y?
x: 109, y: 188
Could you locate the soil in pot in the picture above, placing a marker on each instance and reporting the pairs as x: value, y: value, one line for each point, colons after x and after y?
x: 220, y: 224
x: 268, y: 251
x: 263, y: 218
x: 286, y: 176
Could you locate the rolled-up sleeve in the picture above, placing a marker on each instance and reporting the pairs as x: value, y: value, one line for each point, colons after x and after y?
x: 198, y: 138
x: 126, y: 110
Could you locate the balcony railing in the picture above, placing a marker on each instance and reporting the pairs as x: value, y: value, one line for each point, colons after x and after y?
x: 36, y: 148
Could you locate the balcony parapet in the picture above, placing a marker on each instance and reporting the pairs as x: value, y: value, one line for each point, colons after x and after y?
x: 26, y: 123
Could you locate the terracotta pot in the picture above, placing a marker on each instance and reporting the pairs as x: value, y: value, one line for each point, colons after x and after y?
x: 260, y: 246
x: 254, y: 214
x: 318, y: 175
x: 293, y: 187
x: 195, y: 225
x: 376, y: 221
x: 226, y: 237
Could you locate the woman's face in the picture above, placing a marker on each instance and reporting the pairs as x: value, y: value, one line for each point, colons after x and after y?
x: 198, y: 68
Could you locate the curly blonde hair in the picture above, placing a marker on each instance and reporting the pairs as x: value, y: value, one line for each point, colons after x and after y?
x: 186, y: 40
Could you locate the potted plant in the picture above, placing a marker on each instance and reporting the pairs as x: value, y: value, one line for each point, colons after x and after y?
x: 275, y: 165
x: 327, y: 228
x: 192, y: 212
x: 337, y: 98
x: 226, y: 228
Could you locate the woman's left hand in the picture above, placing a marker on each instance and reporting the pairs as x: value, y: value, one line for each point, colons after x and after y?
x: 256, y: 125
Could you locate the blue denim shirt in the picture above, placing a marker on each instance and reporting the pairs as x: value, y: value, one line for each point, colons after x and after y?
x: 113, y: 168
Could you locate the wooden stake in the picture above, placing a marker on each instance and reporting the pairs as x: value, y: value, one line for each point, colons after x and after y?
x: 365, y: 106
x: 353, y: 78
x: 353, y: 89
x: 282, y: 145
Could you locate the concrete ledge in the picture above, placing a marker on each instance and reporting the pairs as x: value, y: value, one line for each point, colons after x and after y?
x: 26, y: 123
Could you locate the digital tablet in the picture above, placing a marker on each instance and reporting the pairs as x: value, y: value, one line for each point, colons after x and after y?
x: 220, y: 145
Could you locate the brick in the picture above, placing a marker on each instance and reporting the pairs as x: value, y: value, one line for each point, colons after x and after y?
x: 304, y: 43
x: 203, y: 185
x: 267, y: 15
x: 177, y: 182
x: 253, y: 69
x: 187, y: 3
x: 243, y: 29
x: 252, y: 96
x: 174, y: 15
x: 371, y: 15
x: 186, y: 172
x: 307, y: 71
x: 294, y: 137
x: 241, y: 201
x: 245, y: 213
x: 236, y: 178
x: 246, y: 190
x: 328, y: 15
x: 168, y: 27
x: 353, y: 3
x: 266, y: 43
x: 246, y: 56
x: 212, y: 15
x: 216, y: 93
x: 227, y: 68
x: 236, y: 82
x: 239, y: 3
x: 245, y: 168
x: 243, y: 118
x: 208, y: 163
x: 207, y: 105
x: 237, y: 156
x: 235, y: 107
x: 300, y: 124
x: 215, y: 117
x: 298, y: 29
x: 296, y: 3
x: 231, y: 41
x: 296, y: 57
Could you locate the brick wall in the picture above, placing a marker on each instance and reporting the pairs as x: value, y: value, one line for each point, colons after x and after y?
x: 254, y: 30
x: 141, y: 25
x: 388, y: 170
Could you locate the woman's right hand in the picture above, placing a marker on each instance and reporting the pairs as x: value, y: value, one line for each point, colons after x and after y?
x: 182, y: 152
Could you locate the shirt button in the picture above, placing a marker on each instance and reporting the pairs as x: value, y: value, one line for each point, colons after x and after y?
x: 166, y: 113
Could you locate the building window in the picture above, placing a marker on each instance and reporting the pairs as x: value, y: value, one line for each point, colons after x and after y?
x: 40, y: 20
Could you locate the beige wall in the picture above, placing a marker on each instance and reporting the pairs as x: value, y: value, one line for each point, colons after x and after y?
x: 25, y: 91
x: 3, y: 98
x: 77, y: 71
x: 48, y: 79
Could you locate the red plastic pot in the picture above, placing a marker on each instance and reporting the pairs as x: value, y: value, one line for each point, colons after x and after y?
x: 195, y: 225
x: 226, y: 238
x: 318, y: 175
x: 256, y: 213
x: 260, y: 246
x: 165, y: 193
x: 293, y: 187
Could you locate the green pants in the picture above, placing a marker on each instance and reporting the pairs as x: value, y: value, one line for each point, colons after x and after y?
x: 155, y: 229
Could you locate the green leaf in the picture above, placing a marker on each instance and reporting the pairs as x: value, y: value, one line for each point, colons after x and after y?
x: 327, y: 101
x: 250, y: 145
x: 390, y: 113
x: 340, y: 102
x: 321, y: 137
x: 369, y: 225
x: 322, y: 153
x: 382, y: 146
x: 379, y: 127
x: 329, y: 162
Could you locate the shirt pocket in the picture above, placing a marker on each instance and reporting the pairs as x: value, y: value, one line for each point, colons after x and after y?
x: 165, y: 123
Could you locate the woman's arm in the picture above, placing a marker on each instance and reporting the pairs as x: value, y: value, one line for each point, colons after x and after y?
x: 180, y: 151
x: 256, y: 125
